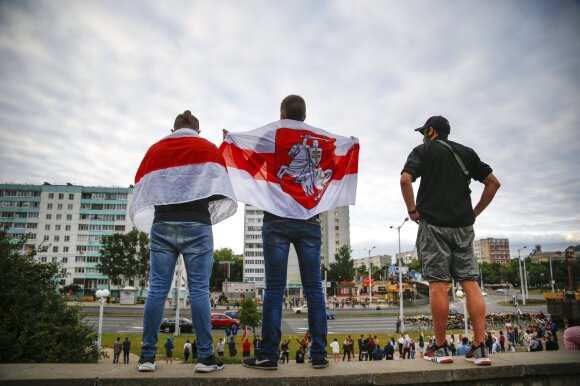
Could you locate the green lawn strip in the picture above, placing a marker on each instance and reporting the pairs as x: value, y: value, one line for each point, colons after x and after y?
x: 108, y: 340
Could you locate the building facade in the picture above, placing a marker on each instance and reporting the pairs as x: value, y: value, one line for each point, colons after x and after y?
x: 492, y: 251
x: 66, y: 224
x: 335, y: 228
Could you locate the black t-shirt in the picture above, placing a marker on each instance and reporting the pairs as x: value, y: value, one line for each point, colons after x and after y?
x: 193, y: 211
x: 444, y: 196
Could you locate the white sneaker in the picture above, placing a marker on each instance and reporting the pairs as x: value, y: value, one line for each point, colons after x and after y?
x: 147, y: 364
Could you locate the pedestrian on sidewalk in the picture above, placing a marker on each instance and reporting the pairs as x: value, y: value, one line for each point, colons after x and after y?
x: 126, y: 350
x: 186, y: 351
x: 169, y: 350
x: 117, y: 348
x: 335, y: 349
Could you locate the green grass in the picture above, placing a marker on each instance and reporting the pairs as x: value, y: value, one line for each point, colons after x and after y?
x: 109, y: 339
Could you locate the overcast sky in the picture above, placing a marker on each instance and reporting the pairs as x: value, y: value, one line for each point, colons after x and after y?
x: 88, y: 86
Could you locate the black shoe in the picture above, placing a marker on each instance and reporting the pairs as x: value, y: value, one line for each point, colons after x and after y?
x: 320, y: 363
x: 260, y: 363
x: 207, y: 365
x: 147, y: 364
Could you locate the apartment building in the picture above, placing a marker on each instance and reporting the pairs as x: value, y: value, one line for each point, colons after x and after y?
x: 335, y: 228
x: 69, y: 221
x: 492, y: 251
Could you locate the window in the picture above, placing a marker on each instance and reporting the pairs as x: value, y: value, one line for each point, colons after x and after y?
x: 48, y: 206
x: 69, y: 206
x: 59, y: 207
x: 57, y: 227
x: 32, y: 225
x: 48, y: 216
x: 92, y: 259
x: 43, y: 259
x: 67, y: 227
x: 65, y: 260
x: 50, y: 195
x: 71, y: 196
x: 46, y: 227
x: 65, y: 249
x: 66, y: 238
x: 45, y: 237
x: 79, y: 269
x: 31, y: 236
x: 54, y: 259
x: 80, y: 259
x: 61, y: 196
x: 56, y: 238
x: 55, y: 249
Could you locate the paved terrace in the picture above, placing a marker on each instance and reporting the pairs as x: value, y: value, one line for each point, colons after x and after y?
x: 541, y: 368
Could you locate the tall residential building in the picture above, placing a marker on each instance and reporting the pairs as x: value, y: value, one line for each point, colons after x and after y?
x: 335, y: 228
x: 493, y: 251
x: 70, y: 222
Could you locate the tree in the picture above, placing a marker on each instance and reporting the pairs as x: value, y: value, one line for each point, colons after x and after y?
x: 219, y: 271
x: 343, y: 267
x: 249, y: 315
x: 36, y: 324
x: 125, y: 256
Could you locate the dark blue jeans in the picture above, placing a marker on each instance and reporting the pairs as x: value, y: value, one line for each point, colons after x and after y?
x: 305, y: 235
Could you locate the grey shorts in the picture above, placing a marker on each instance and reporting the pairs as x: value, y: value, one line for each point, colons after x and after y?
x: 446, y: 253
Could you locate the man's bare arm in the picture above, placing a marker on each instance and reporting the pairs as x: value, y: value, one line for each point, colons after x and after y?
x: 491, y: 186
x: 409, y: 195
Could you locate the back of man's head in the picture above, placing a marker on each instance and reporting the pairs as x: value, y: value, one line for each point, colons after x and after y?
x: 293, y: 107
x: 186, y: 120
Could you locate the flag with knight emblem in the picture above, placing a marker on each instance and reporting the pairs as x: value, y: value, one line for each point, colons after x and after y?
x: 291, y: 169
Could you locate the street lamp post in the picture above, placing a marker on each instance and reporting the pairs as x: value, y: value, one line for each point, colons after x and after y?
x: 551, y: 275
x: 459, y: 293
x: 102, y: 295
x: 521, y: 276
x: 370, y: 277
x: 400, y: 275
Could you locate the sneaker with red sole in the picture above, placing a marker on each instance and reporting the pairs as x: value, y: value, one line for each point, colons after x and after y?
x: 439, y: 354
x: 478, y: 355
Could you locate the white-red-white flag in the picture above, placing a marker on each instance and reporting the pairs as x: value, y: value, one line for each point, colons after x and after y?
x: 291, y: 169
x: 182, y: 167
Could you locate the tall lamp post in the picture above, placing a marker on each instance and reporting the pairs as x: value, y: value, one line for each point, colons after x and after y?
x: 370, y: 277
x: 551, y: 275
x: 400, y: 275
x: 459, y: 293
x: 102, y: 295
x: 521, y: 276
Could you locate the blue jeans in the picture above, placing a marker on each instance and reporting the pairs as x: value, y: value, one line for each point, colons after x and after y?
x: 195, y: 242
x: 306, y: 237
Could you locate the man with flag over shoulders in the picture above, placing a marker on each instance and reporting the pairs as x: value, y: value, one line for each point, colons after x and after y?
x: 181, y: 189
x: 293, y: 172
x: 445, y: 236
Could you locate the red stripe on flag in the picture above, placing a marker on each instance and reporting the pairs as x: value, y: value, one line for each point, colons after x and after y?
x: 174, y: 152
x: 261, y: 166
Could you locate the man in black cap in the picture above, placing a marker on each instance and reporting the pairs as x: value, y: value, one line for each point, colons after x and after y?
x: 445, y: 237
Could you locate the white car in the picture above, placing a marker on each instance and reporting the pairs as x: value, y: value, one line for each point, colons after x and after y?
x: 300, y: 310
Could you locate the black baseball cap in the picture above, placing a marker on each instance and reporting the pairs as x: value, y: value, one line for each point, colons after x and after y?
x: 439, y: 123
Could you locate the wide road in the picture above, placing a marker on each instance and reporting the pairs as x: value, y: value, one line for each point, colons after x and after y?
x: 128, y: 319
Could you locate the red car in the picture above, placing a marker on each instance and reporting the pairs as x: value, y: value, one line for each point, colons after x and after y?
x: 223, y: 321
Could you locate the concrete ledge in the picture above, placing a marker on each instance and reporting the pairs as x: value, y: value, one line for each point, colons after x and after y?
x: 541, y: 368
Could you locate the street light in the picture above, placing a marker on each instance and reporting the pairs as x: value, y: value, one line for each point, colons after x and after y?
x: 521, y: 276
x: 551, y: 275
x: 400, y: 275
x: 370, y: 277
x: 102, y: 295
x: 459, y: 293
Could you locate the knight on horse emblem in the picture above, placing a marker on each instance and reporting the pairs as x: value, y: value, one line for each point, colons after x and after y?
x: 305, y: 166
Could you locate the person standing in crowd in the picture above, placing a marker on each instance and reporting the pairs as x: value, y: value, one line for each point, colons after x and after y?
x: 463, y: 347
x: 186, y: 350
x: 335, y: 349
x: 220, y: 347
x: 117, y: 348
x: 295, y: 164
x: 346, y: 349
x: 398, y: 325
x: 246, y: 347
x: 181, y: 189
x: 257, y: 343
x: 233, y: 351
x: 445, y: 216
x: 126, y: 350
x: 285, y: 351
x: 360, y: 342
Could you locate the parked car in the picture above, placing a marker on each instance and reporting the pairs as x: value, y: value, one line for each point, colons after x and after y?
x: 330, y: 315
x: 168, y: 325
x: 232, y: 314
x: 223, y: 321
x: 455, y: 313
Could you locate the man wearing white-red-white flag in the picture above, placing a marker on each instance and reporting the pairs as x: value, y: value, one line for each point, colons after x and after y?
x: 181, y: 189
x: 291, y: 169
x: 293, y: 172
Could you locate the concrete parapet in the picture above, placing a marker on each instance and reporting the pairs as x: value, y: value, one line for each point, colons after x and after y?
x: 539, y: 368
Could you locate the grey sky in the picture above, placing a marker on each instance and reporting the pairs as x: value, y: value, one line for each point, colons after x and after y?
x: 88, y: 86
